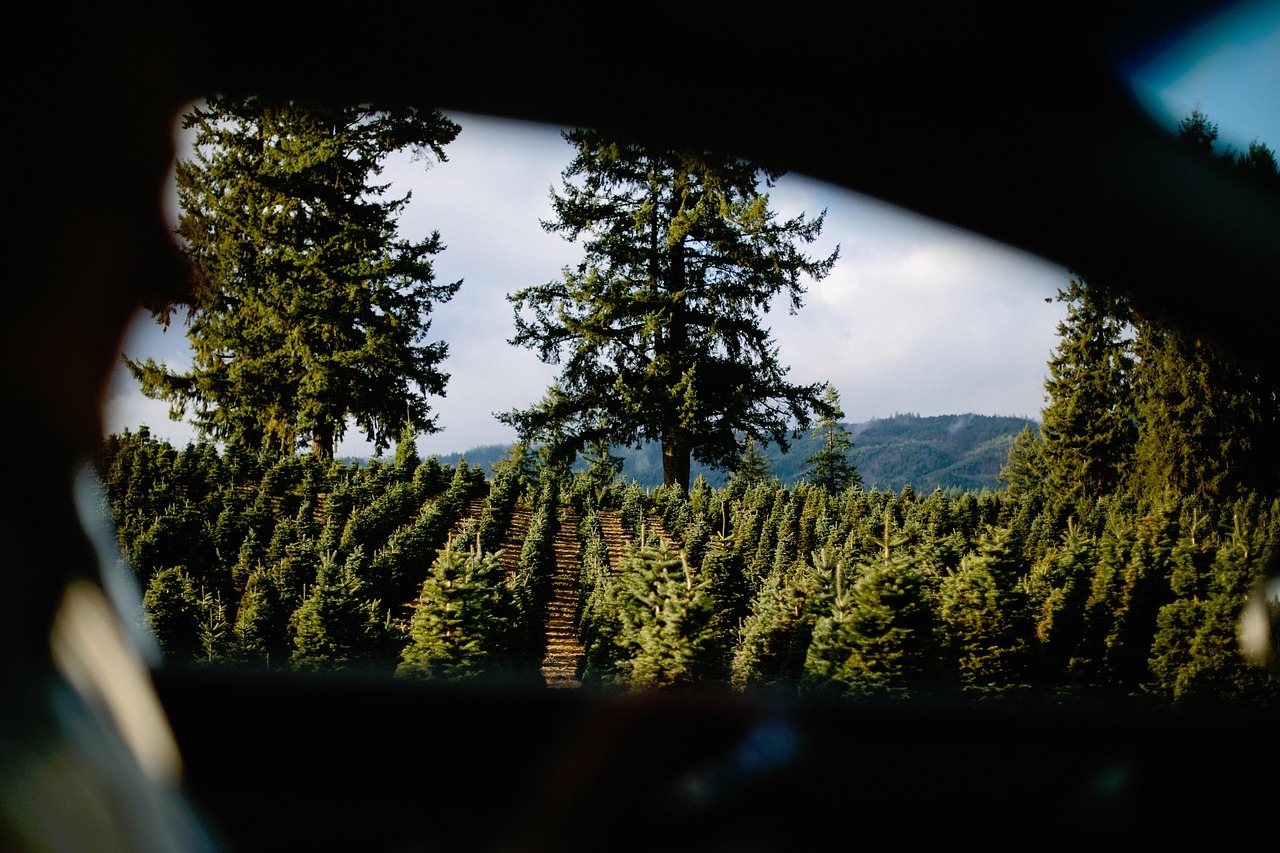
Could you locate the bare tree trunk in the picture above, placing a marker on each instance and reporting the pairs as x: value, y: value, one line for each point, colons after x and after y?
x: 675, y: 462
x: 322, y: 442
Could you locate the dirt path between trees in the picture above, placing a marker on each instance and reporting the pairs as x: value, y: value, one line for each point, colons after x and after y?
x: 562, y: 665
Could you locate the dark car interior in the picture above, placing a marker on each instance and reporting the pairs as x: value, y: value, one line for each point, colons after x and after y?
x: 1014, y: 123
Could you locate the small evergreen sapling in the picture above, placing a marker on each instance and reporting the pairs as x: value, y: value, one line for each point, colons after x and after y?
x: 665, y: 634
x: 463, y: 620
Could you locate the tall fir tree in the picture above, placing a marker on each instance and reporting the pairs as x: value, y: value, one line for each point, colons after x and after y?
x: 1209, y: 425
x: 1209, y: 421
x: 658, y: 329
x: 1089, y: 425
x: 306, y: 309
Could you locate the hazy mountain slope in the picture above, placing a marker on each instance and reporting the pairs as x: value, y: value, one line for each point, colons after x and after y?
x: 964, y: 452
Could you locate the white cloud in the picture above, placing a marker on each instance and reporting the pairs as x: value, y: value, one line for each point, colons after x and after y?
x: 922, y: 317
x: 915, y: 316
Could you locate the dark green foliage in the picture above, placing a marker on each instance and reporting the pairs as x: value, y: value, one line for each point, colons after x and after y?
x: 231, y: 532
x: 775, y: 637
x: 634, y: 509
x: 262, y: 620
x: 752, y: 465
x: 282, y: 483
x: 658, y: 329
x: 988, y: 591
x: 397, y: 566
x: 172, y: 607
x: 188, y: 621
x: 749, y: 513
x: 602, y: 469
x: 766, y: 541
x: 665, y: 638
x: 1152, y: 410
x: 306, y: 309
x: 431, y: 477
x: 831, y: 466
x: 496, y: 517
x: 787, y: 549
x: 407, y: 459
x: 985, y: 617
x: 534, y: 572
x: 337, y: 627
x: 214, y: 631
x: 880, y: 639
x: 374, y: 523
x: 1026, y: 472
x: 597, y: 618
x: 1143, y: 590
x: 673, y: 508
x: 174, y: 538
x: 1105, y: 594
x: 1065, y: 582
x: 721, y: 567
x: 138, y: 474
x: 1090, y: 425
x: 463, y: 620
x: 1208, y: 425
x: 1196, y: 655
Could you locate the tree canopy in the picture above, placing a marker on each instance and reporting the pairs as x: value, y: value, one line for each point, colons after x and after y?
x: 658, y: 328
x: 1140, y: 405
x: 307, y: 309
x: 1089, y: 423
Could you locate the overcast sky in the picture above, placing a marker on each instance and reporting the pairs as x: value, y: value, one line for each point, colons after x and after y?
x: 915, y: 317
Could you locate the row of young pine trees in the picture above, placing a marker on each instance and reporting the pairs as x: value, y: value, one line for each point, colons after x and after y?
x: 391, y: 567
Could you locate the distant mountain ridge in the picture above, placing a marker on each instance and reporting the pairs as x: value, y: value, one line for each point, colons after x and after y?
x: 952, y: 452
x: 965, y: 452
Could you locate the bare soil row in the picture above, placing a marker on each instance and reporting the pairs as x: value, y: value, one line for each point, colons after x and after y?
x: 562, y: 665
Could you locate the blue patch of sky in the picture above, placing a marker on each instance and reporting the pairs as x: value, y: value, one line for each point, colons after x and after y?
x: 1227, y: 65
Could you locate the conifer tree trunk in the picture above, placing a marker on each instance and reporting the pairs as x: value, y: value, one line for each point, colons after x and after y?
x: 322, y: 442
x: 675, y: 462
x: 671, y: 348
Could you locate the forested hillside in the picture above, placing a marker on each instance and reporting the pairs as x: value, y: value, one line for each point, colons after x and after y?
x: 413, y: 569
x: 951, y: 452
